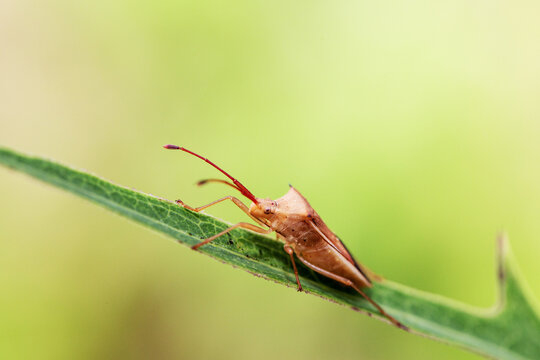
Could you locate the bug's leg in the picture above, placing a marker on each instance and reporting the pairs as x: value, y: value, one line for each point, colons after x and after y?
x: 200, y: 208
x: 239, y: 225
x: 236, y: 201
x: 348, y: 282
x: 383, y: 313
x: 289, y: 250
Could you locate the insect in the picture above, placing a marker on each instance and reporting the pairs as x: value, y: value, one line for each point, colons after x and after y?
x: 301, y: 229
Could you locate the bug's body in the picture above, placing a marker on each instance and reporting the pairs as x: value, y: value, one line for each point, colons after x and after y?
x: 301, y: 228
x: 299, y: 225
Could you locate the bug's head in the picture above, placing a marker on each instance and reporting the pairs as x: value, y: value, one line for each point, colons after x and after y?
x: 264, y: 209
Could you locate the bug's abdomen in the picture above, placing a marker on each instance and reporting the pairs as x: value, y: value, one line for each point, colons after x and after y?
x: 317, y: 254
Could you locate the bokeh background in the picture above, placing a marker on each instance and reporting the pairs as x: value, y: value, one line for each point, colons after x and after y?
x: 412, y: 127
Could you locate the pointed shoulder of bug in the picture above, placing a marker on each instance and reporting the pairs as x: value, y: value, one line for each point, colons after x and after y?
x: 290, y: 207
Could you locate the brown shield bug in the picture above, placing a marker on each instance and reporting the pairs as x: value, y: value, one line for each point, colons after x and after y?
x: 302, y: 230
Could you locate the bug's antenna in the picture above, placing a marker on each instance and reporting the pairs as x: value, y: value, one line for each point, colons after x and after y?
x: 239, y: 186
x: 206, y: 181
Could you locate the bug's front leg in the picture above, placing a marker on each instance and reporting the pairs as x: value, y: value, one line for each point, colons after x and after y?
x: 236, y: 201
x: 242, y: 225
x: 289, y: 250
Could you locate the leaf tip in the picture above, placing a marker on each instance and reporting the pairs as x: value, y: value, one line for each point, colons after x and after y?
x: 502, y: 250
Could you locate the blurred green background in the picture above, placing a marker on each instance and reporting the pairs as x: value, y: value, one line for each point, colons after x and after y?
x: 412, y: 127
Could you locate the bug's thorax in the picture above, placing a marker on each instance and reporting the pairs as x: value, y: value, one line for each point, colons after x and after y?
x: 283, y: 213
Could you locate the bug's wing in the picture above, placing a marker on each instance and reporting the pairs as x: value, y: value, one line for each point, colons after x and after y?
x: 335, y: 241
x: 303, y: 207
x: 363, y: 269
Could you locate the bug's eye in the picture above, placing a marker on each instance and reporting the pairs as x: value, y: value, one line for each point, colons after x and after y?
x: 267, y: 211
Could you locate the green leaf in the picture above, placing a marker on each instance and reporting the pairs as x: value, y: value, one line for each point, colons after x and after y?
x: 511, y: 330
